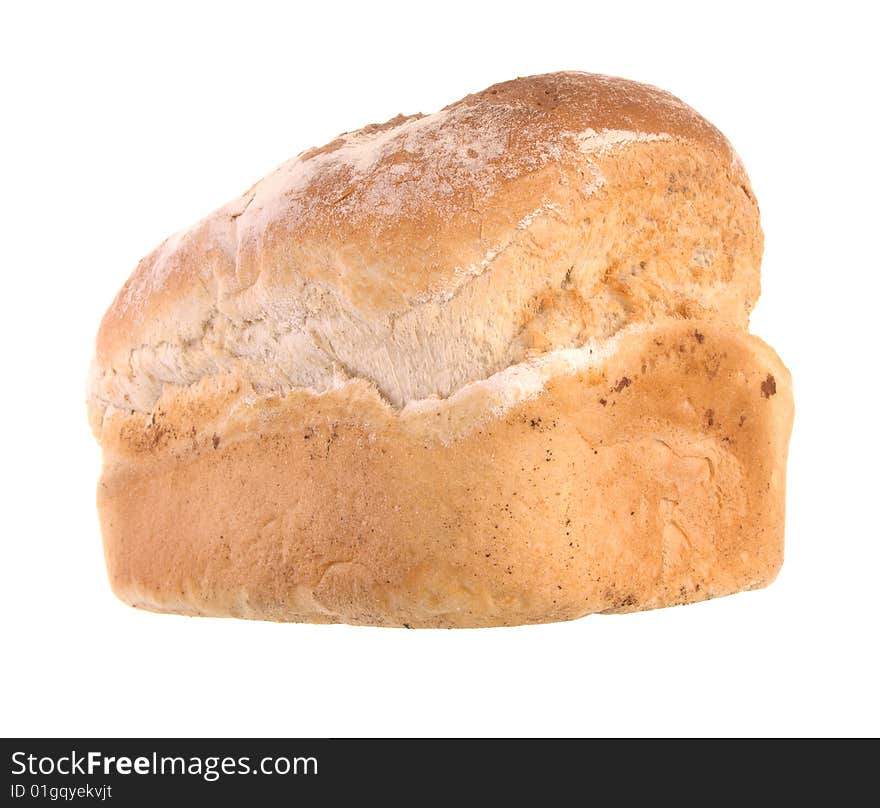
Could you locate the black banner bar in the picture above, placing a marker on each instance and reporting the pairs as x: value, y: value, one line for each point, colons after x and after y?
x: 282, y: 771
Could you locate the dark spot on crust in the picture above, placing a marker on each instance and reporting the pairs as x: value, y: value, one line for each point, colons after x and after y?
x: 540, y: 425
x: 742, y: 420
x: 699, y: 337
x: 623, y: 383
x: 407, y: 625
x: 603, y: 401
x: 768, y: 386
x: 710, y: 417
x: 216, y: 441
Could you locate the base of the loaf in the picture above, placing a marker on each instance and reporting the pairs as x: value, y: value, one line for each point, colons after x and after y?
x: 654, y: 479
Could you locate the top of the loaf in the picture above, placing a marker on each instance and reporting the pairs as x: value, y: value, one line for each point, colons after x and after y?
x: 434, y: 250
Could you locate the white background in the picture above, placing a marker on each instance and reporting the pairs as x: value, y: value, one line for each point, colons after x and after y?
x: 124, y: 122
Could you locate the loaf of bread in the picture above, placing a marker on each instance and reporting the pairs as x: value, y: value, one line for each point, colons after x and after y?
x: 483, y: 367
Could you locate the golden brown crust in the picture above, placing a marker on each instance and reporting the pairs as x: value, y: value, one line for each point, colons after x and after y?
x: 654, y: 478
x: 569, y: 205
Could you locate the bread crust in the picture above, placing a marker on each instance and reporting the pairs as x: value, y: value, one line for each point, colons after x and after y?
x: 592, y: 203
x: 483, y: 367
x: 656, y: 477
